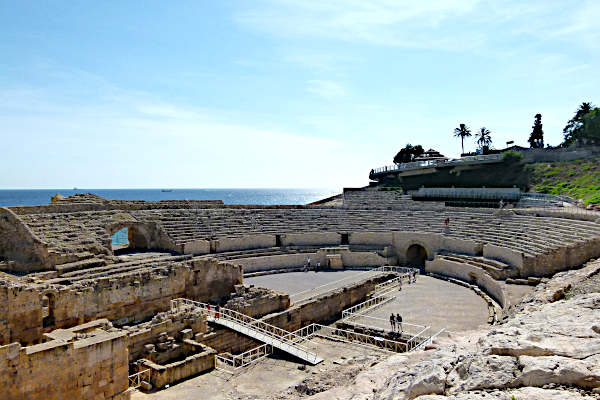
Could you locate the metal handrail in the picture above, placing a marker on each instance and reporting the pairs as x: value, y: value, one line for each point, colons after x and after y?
x: 271, y: 331
x: 368, y: 305
x: 434, y: 163
x: 135, y: 380
x: 239, y: 361
x: 351, y: 337
x: 428, y: 340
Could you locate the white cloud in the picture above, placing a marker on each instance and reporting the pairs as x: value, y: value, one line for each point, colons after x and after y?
x: 326, y: 89
x: 430, y: 24
x: 412, y: 23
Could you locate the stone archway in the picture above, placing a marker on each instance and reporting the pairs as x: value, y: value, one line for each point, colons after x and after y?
x: 416, y: 256
x: 139, y: 237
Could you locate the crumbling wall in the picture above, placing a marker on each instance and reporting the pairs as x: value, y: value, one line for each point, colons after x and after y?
x: 18, y: 243
x: 122, y: 299
x: 20, y: 313
x: 90, y: 368
x: 162, y: 375
x: 164, y: 324
x: 257, y: 301
x: 211, y: 279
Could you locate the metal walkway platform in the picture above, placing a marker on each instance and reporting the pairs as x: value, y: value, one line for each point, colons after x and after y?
x: 254, y: 328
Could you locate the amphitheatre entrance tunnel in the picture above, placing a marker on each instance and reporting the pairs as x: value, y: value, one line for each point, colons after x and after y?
x: 416, y: 256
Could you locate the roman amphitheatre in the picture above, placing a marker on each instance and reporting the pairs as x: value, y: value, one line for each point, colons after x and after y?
x: 215, y: 301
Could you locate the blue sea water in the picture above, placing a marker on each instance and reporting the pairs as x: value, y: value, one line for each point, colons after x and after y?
x: 229, y: 196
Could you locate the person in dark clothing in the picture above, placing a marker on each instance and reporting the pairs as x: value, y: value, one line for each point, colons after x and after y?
x: 399, y: 322
x: 393, y: 322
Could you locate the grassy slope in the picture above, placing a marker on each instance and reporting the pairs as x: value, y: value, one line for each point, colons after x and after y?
x: 579, y: 179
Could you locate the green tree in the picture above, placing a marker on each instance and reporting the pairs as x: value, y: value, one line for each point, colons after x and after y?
x: 574, y: 126
x: 462, y: 132
x: 591, y: 126
x: 484, y: 138
x: 536, y: 139
x: 408, y: 153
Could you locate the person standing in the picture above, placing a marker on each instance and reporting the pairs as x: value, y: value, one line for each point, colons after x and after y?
x: 399, y: 322
x: 393, y: 322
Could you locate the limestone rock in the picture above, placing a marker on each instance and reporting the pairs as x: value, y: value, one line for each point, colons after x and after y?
x: 539, y: 371
x: 475, y: 372
x: 563, y: 328
x: 525, y: 393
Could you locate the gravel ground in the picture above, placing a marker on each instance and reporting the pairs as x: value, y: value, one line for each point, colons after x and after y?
x: 589, y: 285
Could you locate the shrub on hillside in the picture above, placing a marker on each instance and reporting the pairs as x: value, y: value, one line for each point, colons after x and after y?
x: 512, y: 156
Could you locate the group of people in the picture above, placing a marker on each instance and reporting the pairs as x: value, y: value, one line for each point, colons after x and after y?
x: 396, y: 322
x: 412, y: 278
x: 307, y: 265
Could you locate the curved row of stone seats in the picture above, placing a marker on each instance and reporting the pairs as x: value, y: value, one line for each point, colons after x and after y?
x: 471, y: 271
x: 107, y: 268
x: 192, y: 234
x: 85, y: 234
x: 373, y: 199
x: 496, y: 269
x: 112, y: 271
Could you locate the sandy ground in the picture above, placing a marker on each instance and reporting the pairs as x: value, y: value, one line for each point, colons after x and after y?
x: 433, y: 302
x: 276, y: 377
x: 302, y: 285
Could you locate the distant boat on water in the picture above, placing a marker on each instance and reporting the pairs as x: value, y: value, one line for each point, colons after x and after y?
x: 167, y: 190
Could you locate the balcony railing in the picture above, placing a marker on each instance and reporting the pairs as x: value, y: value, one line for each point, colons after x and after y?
x: 435, y: 163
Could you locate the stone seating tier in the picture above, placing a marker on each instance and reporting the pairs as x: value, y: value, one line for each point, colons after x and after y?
x: 85, y: 233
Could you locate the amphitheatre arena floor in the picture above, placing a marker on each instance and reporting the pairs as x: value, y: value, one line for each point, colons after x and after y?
x: 429, y: 302
x: 432, y: 302
x: 303, y: 285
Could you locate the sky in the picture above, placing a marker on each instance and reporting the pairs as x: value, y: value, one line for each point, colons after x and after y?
x: 276, y: 94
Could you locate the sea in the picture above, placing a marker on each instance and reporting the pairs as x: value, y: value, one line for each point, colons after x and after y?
x: 229, y: 196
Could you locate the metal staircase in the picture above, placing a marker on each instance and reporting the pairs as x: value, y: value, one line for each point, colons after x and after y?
x: 251, y: 327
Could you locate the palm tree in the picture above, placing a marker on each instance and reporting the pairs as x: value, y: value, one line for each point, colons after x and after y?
x: 484, y: 137
x: 462, y: 132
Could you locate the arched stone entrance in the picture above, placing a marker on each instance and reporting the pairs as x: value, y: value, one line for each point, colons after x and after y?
x: 416, y: 256
x: 138, y: 237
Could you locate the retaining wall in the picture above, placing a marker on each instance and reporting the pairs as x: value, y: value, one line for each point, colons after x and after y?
x: 162, y: 375
x: 472, y: 274
x: 91, y: 368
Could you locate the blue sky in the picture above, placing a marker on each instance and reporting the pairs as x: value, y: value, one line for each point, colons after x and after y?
x: 287, y: 93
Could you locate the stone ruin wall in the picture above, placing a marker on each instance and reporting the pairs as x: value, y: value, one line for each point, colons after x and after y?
x: 326, y: 307
x: 123, y: 299
x: 18, y: 243
x: 90, y: 368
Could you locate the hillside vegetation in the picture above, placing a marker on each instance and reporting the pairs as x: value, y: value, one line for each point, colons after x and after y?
x: 579, y: 179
